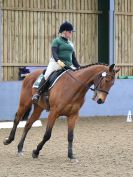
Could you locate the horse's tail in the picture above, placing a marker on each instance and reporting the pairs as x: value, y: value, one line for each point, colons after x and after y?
x: 26, y: 115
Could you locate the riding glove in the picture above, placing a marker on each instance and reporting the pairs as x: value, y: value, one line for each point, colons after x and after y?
x: 61, y: 63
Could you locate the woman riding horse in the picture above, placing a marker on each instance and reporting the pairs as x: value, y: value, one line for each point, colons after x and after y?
x: 63, y: 53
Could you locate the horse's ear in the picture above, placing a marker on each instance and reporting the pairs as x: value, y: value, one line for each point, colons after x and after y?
x: 111, y: 68
x: 117, y: 70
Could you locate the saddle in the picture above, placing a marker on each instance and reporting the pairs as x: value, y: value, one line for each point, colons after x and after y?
x: 50, y: 83
x: 53, y: 78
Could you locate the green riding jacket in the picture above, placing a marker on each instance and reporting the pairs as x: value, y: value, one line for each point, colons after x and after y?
x: 63, y: 49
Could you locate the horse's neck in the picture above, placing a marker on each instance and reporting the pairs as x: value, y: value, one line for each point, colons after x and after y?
x: 87, y: 75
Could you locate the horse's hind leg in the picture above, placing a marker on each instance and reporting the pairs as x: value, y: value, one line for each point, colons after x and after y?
x: 19, y: 115
x: 51, y: 120
x: 35, y: 116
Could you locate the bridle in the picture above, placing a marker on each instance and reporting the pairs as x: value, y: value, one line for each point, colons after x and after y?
x: 100, y: 77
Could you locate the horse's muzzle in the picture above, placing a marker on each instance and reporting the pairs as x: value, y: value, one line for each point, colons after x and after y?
x: 100, y: 101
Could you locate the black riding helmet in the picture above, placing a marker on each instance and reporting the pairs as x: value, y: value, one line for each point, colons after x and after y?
x: 66, y: 26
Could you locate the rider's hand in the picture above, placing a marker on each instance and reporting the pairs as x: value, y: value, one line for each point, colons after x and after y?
x: 61, y: 63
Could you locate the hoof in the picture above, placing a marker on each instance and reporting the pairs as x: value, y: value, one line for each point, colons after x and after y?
x: 34, y: 154
x: 20, y: 154
x: 74, y: 160
x: 7, y: 141
x: 71, y: 157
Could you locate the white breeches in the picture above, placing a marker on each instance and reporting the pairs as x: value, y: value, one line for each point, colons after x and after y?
x: 52, y: 66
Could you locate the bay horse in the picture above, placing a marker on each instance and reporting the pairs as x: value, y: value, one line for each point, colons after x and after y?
x: 65, y: 99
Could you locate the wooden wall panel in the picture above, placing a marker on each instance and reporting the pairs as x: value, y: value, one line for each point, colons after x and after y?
x: 124, y: 36
x: 29, y: 26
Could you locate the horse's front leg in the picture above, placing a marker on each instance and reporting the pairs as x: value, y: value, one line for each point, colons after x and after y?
x: 35, y: 116
x: 71, y: 125
x: 50, y: 123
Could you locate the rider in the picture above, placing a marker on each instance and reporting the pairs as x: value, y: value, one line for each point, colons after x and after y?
x: 63, y: 54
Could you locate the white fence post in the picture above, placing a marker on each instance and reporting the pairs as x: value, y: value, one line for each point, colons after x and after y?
x: 1, y: 41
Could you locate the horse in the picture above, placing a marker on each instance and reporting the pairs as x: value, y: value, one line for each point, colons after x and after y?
x: 65, y: 99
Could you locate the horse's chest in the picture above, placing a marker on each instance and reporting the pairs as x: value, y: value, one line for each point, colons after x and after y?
x: 72, y: 107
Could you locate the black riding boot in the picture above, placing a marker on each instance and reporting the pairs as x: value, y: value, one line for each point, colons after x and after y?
x: 40, y: 90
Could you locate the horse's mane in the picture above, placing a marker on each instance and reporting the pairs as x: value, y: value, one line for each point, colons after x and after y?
x: 85, y: 66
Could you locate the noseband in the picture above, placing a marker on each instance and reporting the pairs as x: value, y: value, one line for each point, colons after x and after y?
x: 101, y: 77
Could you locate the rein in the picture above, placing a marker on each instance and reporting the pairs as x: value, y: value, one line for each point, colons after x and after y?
x: 86, y: 86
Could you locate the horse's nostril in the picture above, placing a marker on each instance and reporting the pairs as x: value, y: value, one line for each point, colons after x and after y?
x: 100, y: 101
